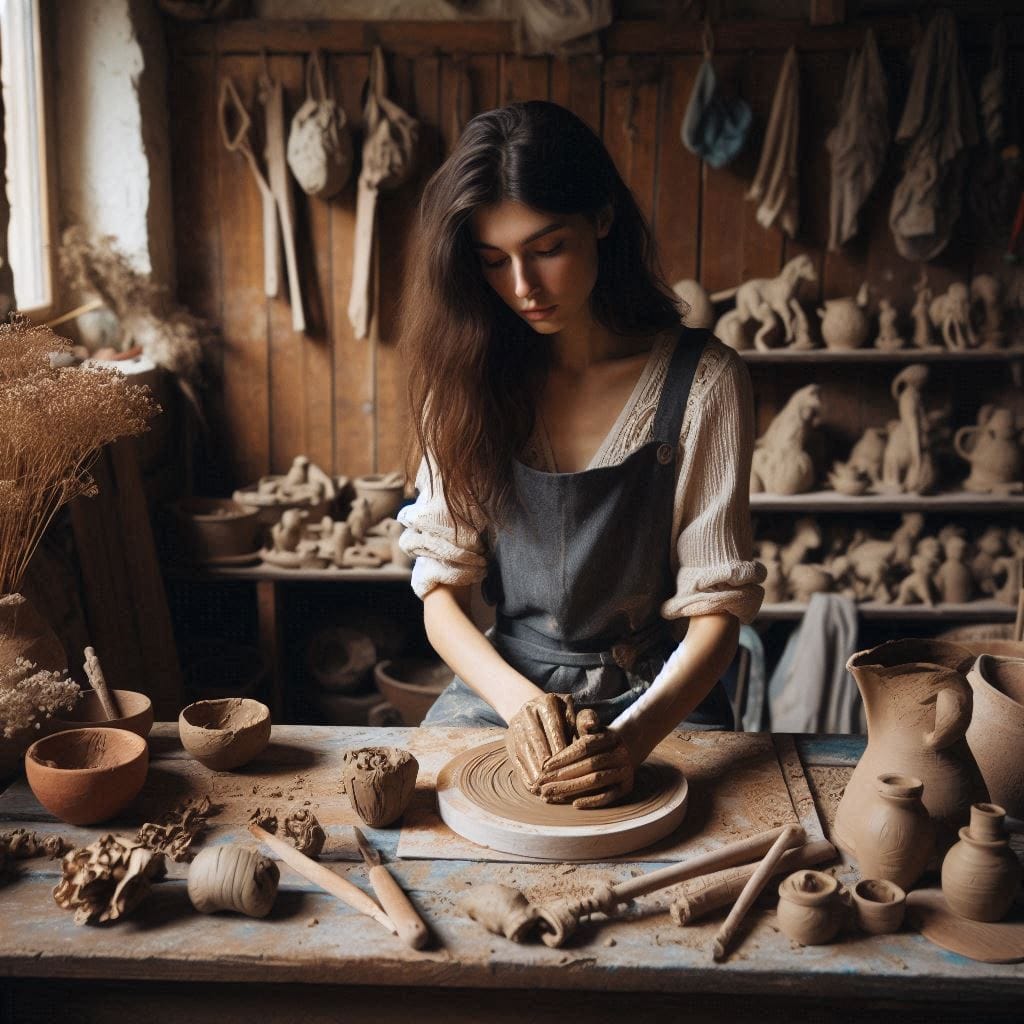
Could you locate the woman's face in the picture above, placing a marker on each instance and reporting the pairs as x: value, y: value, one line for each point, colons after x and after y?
x: 543, y: 265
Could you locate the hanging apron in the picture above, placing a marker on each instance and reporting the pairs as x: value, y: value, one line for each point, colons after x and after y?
x: 580, y: 570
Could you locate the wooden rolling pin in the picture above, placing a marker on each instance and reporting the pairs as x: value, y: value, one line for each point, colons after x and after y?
x: 320, y: 875
x: 700, y: 896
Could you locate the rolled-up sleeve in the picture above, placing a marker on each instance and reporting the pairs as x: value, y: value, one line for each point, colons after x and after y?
x: 713, y: 546
x: 443, y: 554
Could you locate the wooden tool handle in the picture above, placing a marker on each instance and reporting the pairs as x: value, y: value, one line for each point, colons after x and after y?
x: 411, y: 928
x: 320, y: 875
x: 793, y: 835
x: 99, y: 684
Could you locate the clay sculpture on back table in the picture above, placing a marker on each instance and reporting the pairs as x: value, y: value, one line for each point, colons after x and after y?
x: 951, y: 315
x: 918, y: 706
x: 987, y: 306
x: 993, y: 449
x: 844, y: 322
x: 981, y: 874
x: 781, y: 464
x: 907, y: 465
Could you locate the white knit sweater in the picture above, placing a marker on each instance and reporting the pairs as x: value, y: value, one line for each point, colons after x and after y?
x: 711, y: 551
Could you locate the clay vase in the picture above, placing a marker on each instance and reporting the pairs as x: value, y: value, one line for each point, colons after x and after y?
x: 24, y: 634
x: 894, y: 836
x: 993, y: 450
x: 996, y: 732
x: 809, y: 908
x: 981, y: 874
x: 844, y: 324
x: 918, y: 706
x: 878, y: 906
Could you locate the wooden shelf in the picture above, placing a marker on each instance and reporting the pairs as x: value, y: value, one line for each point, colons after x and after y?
x: 833, y: 501
x: 973, y: 611
x: 272, y: 573
x: 874, y: 355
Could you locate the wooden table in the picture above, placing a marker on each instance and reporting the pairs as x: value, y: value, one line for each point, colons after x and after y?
x: 314, y: 959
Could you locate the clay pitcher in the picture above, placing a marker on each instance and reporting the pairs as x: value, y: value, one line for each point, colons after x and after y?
x: 993, y: 450
x: 918, y: 706
x: 996, y: 733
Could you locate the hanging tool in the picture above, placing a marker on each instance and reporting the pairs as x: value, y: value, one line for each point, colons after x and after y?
x: 411, y: 928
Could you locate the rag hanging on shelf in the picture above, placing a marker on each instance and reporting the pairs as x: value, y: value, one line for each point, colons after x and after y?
x: 940, y: 124
x: 858, y: 142
x: 714, y: 127
x: 775, y: 185
x: 319, y: 143
x: 389, y: 159
x: 234, y: 122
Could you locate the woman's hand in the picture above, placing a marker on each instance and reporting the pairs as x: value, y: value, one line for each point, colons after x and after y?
x: 594, y: 770
x: 541, y: 727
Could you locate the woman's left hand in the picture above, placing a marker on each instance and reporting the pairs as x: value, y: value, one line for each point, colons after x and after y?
x: 594, y: 770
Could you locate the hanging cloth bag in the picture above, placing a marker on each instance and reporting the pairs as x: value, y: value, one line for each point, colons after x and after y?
x: 389, y: 159
x: 319, y: 142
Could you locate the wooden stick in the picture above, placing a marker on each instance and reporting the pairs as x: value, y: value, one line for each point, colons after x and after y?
x: 1018, y: 626
x: 700, y: 896
x: 791, y: 836
x: 320, y: 875
x: 99, y: 684
x: 71, y: 314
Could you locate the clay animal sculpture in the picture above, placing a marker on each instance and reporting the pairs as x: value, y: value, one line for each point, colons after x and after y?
x: 953, y: 577
x: 806, y: 580
x: 878, y: 905
x: 774, y: 583
x: 731, y: 331
x: 845, y: 479
x: 699, y: 310
x: 380, y: 782
x: 922, y: 337
x: 918, y: 706
x: 907, y: 465
x: 806, y: 538
x: 810, y: 911
x: 802, y: 337
x: 761, y: 299
x: 981, y: 874
x: 360, y: 519
x: 867, y: 564
x: 889, y: 338
x: 996, y: 732
x: 1006, y: 570
x: 304, y: 486
x: 917, y: 587
x: 844, y: 322
x: 987, y: 303
x: 893, y: 835
x: 867, y: 454
x: 989, y: 546
x: 905, y: 538
x: 781, y: 464
x: 233, y: 877
x: 994, y: 450
x: 951, y: 314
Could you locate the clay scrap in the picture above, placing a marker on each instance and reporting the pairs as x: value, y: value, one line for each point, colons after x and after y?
x: 21, y: 844
x: 174, y: 835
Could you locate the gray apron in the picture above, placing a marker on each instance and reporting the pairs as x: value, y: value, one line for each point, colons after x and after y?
x: 580, y: 569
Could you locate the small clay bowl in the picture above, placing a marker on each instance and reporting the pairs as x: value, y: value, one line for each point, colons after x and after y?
x: 85, y: 776
x: 412, y: 685
x: 136, y: 713
x: 226, y: 733
x: 879, y: 905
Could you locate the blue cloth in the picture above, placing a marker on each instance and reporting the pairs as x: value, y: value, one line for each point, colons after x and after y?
x: 714, y: 127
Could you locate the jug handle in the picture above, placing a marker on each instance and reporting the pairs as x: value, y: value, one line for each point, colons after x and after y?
x: 953, y: 709
x: 959, y: 444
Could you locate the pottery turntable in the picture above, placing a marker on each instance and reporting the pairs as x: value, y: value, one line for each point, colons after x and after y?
x: 481, y: 797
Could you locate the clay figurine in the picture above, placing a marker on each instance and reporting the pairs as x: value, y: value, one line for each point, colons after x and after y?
x: 889, y: 338
x: 774, y: 582
x: 380, y: 783
x: 987, y: 292
x: 233, y: 877
x: 844, y: 322
x: 951, y: 314
x: 996, y: 733
x: 918, y: 586
x: 907, y: 465
x: 847, y: 479
x: 806, y: 538
x: 360, y: 519
x: 994, y: 450
x: 802, y: 338
x: 989, y: 546
x: 905, y: 537
x: 953, y: 578
x: 781, y: 465
x: 865, y: 565
x: 304, y: 486
x: 809, y: 908
x: 1006, y: 570
x: 981, y: 874
x: 866, y: 455
x: 922, y: 337
x: 806, y: 580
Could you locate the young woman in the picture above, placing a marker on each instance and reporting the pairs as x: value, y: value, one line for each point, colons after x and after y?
x: 587, y: 460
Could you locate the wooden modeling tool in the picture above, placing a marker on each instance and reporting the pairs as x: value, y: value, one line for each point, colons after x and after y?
x: 411, y: 928
x: 792, y: 835
x: 324, y: 877
x: 99, y: 684
x: 1018, y: 626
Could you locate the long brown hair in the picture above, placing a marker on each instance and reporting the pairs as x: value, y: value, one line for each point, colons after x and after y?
x: 475, y: 369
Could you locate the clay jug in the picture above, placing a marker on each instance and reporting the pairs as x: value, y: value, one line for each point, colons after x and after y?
x: 918, y: 706
x: 993, y: 450
x: 981, y: 874
x: 844, y: 322
x: 894, y: 835
x: 996, y: 732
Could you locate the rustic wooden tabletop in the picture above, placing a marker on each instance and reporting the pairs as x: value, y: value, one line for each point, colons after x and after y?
x: 314, y: 949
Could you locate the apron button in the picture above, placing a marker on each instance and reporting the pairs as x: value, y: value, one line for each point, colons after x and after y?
x: 665, y: 454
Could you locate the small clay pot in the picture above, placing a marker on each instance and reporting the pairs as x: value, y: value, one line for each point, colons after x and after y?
x: 412, y: 685
x: 136, y: 713
x: 217, y: 529
x: 879, y: 905
x: 809, y: 908
x: 383, y: 491
x: 224, y: 734
x: 85, y: 776
x: 981, y: 874
x: 380, y: 782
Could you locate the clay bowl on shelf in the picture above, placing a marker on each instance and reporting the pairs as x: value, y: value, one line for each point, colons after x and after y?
x: 411, y: 685
x: 340, y: 659
x: 226, y: 733
x: 85, y: 776
x: 216, y: 530
x: 136, y: 713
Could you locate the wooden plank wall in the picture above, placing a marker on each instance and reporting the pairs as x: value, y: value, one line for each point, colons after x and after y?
x: 341, y: 401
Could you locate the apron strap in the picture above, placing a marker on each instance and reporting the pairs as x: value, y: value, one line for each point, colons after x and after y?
x: 668, y: 420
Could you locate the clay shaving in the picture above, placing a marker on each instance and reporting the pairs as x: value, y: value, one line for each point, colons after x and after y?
x: 175, y: 834
x: 22, y: 844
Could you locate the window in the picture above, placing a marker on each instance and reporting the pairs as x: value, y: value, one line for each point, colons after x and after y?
x: 28, y: 240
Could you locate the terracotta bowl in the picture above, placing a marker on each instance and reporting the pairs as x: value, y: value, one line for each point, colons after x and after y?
x: 136, y: 713
x: 85, y: 776
x: 224, y: 734
x: 411, y: 685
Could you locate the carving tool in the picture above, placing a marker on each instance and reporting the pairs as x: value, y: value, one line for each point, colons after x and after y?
x: 99, y: 683
x: 792, y: 835
x: 411, y: 928
x: 324, y: 877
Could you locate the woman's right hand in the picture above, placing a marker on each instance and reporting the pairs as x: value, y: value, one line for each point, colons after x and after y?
x: 543, y: 726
